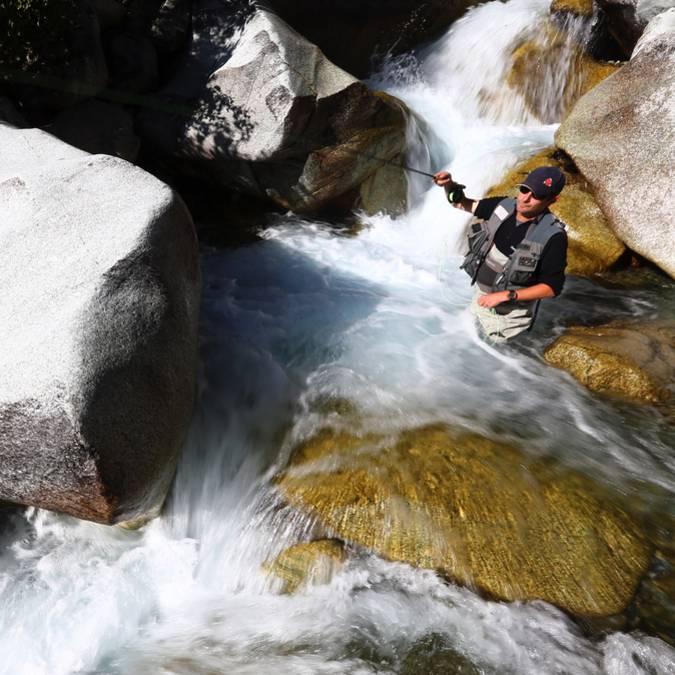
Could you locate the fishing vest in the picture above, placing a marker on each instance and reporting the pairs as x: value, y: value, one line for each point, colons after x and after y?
x: 518, y: 269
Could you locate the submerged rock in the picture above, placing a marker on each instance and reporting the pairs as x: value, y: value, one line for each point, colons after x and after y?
x: 308, y: 564
x: 635, y: 361
x: 475, y: 510
x: 620, y: 137
x: 592, y: 246
x: 311, y: 136
x: 100, y: 279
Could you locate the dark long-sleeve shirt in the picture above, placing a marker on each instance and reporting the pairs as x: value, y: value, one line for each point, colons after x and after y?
x: 551, y: 267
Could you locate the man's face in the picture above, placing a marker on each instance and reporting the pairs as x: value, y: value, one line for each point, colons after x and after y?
x: 528, y: 206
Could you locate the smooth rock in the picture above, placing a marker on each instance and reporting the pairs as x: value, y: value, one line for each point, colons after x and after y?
x: 100, y: 279
x: 308, y: 564
x: 476, y: 510
x: 97, y: 128
x: 310, y: 137
x: 635, y: 361
x: 592, y: 246
x: 620, y: 136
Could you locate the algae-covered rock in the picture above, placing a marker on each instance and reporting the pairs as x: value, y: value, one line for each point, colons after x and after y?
x: 577, y: 7
x: 474, y: 510
x: 592, y: 246
x: 308, y: 564
x: 635, y: 361
x: 553, y: 72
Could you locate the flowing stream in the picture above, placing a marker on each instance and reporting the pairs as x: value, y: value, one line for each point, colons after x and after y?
x: 310, y: 314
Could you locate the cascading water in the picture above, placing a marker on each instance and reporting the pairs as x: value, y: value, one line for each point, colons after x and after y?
x: 306, y: 315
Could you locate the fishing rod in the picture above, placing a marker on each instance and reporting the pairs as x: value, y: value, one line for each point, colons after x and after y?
x: 391, y: 162
x: 161, y: 105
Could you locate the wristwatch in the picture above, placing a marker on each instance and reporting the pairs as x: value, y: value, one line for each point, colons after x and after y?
x: 513, y: 295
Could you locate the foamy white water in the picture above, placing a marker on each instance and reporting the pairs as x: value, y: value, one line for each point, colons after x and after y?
x: 379, y: 319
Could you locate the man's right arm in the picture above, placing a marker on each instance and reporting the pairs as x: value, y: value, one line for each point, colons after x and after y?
x: 444, y: 180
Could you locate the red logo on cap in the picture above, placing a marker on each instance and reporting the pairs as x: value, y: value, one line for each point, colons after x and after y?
x: 548, y: 182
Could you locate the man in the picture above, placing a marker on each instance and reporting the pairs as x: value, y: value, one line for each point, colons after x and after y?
x: 517, y: 251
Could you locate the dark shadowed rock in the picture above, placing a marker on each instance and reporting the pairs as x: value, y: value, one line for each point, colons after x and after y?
x: 110, y: 13
x: 10, y: 114
x: 100, y: 279
x: 368, y: 27
x: 132, y: 62
x: 98, y: 128
x: 268, y: 114
x: 627, y: 19
x: 51, y: 55
x: 171, y: 26
x: 620, y: 136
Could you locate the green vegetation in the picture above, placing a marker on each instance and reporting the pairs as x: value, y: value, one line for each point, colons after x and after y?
x: 37, y: 35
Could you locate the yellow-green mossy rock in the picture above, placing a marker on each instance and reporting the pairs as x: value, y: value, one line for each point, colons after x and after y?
x: 472, y: 509
x: 578, y: 7
x: 635, y: 361
x: 538, y: 67
x: 307, y: 564
x: 592, y: 246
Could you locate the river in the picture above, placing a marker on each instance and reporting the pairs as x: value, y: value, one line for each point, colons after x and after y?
x: 310, y: 313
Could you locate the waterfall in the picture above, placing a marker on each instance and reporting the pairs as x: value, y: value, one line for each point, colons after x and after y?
x: 307, y: 315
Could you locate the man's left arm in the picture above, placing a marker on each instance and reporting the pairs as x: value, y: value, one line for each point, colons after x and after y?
x: 549, y: 281
x: 536, y: 292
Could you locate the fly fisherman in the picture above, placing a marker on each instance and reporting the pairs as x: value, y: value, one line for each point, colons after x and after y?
x: 517, y: 251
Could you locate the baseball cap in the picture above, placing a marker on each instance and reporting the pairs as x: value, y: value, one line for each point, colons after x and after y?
x: 545, y: 181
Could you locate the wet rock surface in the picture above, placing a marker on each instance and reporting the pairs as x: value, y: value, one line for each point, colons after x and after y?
x: 553, y: 61
x: 635, y: 361
x: 623, y: 125
x: 99, y: 267
x: 309, y: 563
x: 475, y: 510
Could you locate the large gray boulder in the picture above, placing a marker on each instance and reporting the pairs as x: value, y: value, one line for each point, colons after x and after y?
x: 100, y: 286
x: 265, y: 112
x: 620, y: 135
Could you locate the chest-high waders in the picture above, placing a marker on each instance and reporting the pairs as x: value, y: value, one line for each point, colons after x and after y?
x: 517, y: 270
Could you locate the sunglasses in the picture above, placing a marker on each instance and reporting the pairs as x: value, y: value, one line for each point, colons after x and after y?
x: 524, y: 190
